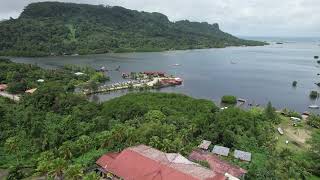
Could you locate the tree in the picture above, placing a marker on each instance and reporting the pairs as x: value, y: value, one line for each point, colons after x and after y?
x: 314, y: 121
x: 74, y: 172
x: 91, y: 176
x: 314, y: 94
x: 17, y: 87
x: 154, y: 115
x: 84, y: 143
x: 103, y: 139
x: 44, y: 162
x: 229, y: 99
x: 270, y: 112
x: 92, y: 86
x: 12, y: 145
x: 66, y: 149
x: 57, y: 168
x: 314, y: 153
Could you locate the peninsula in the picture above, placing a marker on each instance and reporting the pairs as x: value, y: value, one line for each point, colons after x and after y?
x: 56, y: 28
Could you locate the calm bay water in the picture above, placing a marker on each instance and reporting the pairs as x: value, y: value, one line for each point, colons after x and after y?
x: 258, y: 74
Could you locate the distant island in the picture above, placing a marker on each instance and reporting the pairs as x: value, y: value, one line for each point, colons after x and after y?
x: 54, y: 28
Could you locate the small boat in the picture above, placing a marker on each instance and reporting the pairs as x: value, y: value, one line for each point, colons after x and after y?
x: 241, y: 100
x: 176, y: 64
x: 102, y: 69
x: 232, y: 62
x: 295, y: 119
x: 314, y: 107
x: 280, y: 130
x: 79, y: 73
x: 279, y: 42
x: 306, y: 113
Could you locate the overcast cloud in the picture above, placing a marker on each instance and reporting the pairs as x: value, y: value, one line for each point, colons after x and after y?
x: 239, y: 17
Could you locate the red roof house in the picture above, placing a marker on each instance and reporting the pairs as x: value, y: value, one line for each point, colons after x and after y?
x: 143, y: 162
x: 216, y: 164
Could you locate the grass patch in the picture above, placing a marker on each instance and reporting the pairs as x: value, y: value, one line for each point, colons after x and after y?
x: 296, y: 135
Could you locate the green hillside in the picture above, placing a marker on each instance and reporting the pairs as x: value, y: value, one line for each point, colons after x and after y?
x: 53, y: 28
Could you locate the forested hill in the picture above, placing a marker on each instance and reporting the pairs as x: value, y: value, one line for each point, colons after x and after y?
x: 53, y: 28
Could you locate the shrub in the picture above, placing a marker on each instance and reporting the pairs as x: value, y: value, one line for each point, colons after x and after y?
x: 314, y: 121
x: 229, y: 100
x: 17, y: 87
x: 314, y: 94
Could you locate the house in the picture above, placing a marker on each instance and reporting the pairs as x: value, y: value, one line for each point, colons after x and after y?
x: 144, y: 162
x: 217, y: 165
x: 31, y: 91
x: 40, y: 80
x: 245, y: 156
x: 3, y: 87
x: 204, y: 145
x: 220, y: 150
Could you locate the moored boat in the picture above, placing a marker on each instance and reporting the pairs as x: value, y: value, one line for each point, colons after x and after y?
x: 241, y: 100
x: 280, y: 131
x: 314, y: 107
x: 306, y: 113
x: 295, y: 119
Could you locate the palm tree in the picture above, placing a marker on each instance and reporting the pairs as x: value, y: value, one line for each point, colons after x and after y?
x: 57, y: 167
x: 44, y: 162
x: 74, y: 172
x: 91, y: 176
x: 84, y: 143
x: 12, y: 146
x: 66, y: 149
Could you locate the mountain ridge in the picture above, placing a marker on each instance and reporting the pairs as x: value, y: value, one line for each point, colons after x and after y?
x: 55, y: 28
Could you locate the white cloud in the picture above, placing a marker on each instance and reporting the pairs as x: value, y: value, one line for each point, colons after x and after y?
x: 241, y: 17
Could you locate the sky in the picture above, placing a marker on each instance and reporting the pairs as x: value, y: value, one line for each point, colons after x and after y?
x: 277, y: 18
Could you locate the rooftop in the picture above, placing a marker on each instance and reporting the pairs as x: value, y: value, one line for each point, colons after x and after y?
x: 220, y: 150
x: 31, y: 91
x: 143, y: 162
x: 204, y: 145
x: 245, y: 156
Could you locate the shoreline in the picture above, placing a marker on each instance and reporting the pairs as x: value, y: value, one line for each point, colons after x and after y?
x: 134, y: 51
